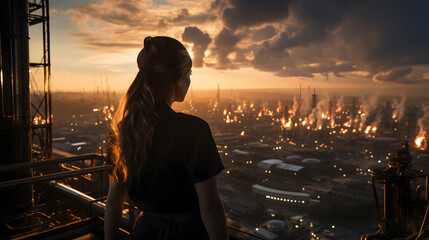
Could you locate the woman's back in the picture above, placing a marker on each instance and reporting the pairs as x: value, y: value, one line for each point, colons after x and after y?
x: 183, y: 153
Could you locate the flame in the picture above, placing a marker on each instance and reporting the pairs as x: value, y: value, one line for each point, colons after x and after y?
x: 242, y: 133
x: 419, y: 141
x: 367, y: 129
x: 286, y: 124
x: 338, y: 109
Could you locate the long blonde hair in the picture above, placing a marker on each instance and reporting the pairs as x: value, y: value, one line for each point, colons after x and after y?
x: 161, y: 62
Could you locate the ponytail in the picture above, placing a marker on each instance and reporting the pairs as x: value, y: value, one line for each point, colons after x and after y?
x: 133, y: 125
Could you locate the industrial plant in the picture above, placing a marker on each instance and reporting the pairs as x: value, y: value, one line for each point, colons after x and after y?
x: 307, y: 165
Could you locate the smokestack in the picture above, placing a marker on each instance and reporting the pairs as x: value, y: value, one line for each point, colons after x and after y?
x: 314, y: 97
x: 218, y: 94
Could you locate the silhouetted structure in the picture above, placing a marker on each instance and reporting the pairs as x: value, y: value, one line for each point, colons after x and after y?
x: 314, y: 100
x: 15, y: 120
x: 402, y: 203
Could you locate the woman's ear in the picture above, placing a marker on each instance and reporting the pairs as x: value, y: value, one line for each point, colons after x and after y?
x: 179, y: 83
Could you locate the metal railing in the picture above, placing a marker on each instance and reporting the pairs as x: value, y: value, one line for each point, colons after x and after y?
x: 95, y: 206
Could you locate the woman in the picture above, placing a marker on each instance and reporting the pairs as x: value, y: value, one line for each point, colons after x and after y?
x: 166, y: 161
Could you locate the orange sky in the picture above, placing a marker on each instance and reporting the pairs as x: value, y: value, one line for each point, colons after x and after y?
x: 100, y: 39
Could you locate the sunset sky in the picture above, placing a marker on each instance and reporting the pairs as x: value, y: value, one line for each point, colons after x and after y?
x: 243, y: 43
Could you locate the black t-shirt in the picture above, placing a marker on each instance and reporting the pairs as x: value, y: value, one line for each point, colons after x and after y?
x: 183, y: 153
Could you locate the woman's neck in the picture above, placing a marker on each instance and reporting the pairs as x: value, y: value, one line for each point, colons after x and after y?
x: 169, y: 101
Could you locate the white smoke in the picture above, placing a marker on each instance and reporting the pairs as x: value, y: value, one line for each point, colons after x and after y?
x: 294, y: 107
x: 369, y: 104
x: 399, y: 108
x: 339, y: 104
x: 423, y: 122
x: 320, y: 112
x: 305, y: 106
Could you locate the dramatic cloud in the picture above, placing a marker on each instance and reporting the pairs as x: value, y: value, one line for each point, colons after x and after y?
x: 225, y: 44
x: 245, y: 13
x: 184, y: 17
x: 392, y: 75
x: 200, y: 40
x: 263, y: 33
x: 400, y: 75
x: 387, y: 41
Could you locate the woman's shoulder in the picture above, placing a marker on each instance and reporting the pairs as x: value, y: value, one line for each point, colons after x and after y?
x: 192, y: 120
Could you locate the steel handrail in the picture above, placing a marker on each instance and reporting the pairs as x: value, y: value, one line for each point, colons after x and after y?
x: 53, y: 176
x: 16, y: 166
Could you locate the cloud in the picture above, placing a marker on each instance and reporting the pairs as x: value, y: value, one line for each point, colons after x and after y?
x: 225, y: 44
x: 392, y: 75
x: 184, y: 17
x: 387, y: 41
x: 400, y: 75
x: 245, y: 13
x: 264, y: 33
x: 200, y: 40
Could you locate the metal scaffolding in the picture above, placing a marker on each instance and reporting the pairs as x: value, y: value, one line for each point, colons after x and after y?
x: 41, y: 108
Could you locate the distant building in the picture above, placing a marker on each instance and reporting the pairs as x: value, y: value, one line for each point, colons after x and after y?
x: 311, y: 161
x: 294, y: 158
x: 298, y: 198
x: 269, y: 164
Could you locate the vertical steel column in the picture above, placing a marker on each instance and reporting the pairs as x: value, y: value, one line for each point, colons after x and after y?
x: 15, y: 131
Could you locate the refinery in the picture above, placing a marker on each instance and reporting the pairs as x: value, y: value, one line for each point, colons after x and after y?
x: 303, y: 163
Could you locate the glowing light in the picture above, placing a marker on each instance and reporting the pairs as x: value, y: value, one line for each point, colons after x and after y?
x: 242, y: 133
x: 419, y: 141
x: 367, y: 129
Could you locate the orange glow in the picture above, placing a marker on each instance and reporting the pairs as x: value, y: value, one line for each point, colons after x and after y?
x: 419, y: 139
x: 367, y: 129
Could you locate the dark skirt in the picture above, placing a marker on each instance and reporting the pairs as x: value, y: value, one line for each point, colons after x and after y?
x: 149, y: 226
